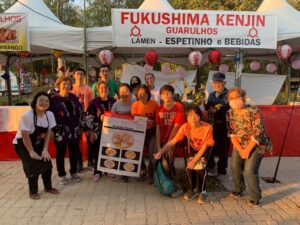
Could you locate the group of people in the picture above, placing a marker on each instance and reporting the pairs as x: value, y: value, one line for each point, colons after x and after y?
x: 77, y: 108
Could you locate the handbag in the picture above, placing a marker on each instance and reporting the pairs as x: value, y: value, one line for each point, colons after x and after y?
x: 266, y: 145
x: 162, y: 182
x: 201, y: 164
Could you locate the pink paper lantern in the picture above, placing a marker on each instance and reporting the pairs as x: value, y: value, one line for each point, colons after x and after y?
x: 223, y: 68
x: 195, y: 58
x: 148, y: 68
x: 284, y: 52
x: 271, y: 67
x: 254, y: 66
x: 296, y: 64
x: 165, y: 68
x: 151, y: 57
x: 106, y: 57
x: 180, y: 70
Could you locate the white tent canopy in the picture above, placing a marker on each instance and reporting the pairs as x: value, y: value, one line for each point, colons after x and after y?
x: 288, y: 31
x: 261, y: 89
x: 155, y: 5
x: 160, y: 77
x: 46, y: 30
x: 101, y: 37
x: 288, y: 18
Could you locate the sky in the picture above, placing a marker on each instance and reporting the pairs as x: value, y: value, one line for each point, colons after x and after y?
x: 78, y: 2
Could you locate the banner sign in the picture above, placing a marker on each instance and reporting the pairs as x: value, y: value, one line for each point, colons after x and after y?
x: 14, y: 32
x: 122, y: 144
x: 193, y: 28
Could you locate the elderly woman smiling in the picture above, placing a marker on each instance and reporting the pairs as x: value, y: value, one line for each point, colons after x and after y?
x: 247, y: 134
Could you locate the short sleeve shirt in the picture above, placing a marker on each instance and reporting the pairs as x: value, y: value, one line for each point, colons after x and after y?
x: 27, y: 123
x: 121, y: 108
x: 113, y: 88
x: 84, y: 94
x: 167, y: 119
x: 198, y: 137
x: 146, y: 110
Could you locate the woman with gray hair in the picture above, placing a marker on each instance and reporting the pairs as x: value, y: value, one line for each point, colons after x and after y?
x: 248, y: 136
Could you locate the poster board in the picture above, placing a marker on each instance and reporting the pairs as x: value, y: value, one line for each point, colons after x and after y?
x: 14, y: 32
x: 122, y: 144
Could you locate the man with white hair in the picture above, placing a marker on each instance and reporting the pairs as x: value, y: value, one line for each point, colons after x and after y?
x: 217, y: 107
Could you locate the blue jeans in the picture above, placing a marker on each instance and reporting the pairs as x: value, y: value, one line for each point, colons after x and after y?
x: 250, y: 169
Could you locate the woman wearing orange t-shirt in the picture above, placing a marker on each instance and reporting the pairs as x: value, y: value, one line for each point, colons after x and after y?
x: 147, y: 108
x: 200, y: 138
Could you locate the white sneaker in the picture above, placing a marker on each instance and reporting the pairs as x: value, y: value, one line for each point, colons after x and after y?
x: 63, y: 180
x: 212, y: 172
x: 75, y: 177
x: 221, y: 178
x: 177, y: 193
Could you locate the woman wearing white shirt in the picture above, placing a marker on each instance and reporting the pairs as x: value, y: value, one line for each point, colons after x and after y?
x: 31, y: 144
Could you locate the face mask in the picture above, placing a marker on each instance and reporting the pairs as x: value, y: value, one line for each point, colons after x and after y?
x: 134, y: 85
x: 236, y: 104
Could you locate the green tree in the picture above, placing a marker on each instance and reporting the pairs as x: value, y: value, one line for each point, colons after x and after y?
x: 5, y: 4
x: 67, y: 12
x: 295, y: 4
x: 98, y: 12
x: 236, y: 5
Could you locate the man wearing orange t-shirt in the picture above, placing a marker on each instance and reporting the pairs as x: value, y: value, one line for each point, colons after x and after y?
x: 169, y: 118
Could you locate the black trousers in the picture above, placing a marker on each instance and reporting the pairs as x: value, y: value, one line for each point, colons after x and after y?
x: 197, y: 180
x: 61, y: 149
x: 220, y: 149
x: 93, y: 149
x: 33, y: 182
x: 150, y: 143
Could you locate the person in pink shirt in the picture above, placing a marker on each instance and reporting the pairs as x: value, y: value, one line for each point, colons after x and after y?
x: 85, y: 96
x: 82, y: 91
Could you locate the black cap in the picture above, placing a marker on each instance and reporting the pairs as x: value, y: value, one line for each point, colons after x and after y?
x: 219, y: 76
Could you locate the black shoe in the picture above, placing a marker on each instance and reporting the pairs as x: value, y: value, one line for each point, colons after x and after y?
x: 235, y: 195
x: 150, y: 180
x: 125, y: 179
x: 91, y: 165
x: 79, y: 168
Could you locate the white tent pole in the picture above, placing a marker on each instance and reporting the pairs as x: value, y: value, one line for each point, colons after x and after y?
x: 8, y: 83
x: 85, y: 62
x: 289, y: 80
x: 60, y: 63
x: 238, y: 68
